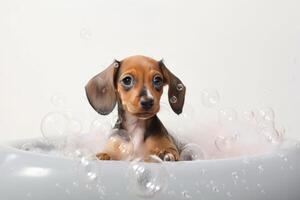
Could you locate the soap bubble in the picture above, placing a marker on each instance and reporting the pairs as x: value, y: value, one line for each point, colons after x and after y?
x: 248, y: 115
x: 100, y: 125
x: 180, y: 87
x: 116, y: 64
x: 186, y: 194
x: 121, y: 141
x: 210, y: 98
x: 227, y: 115
x: 173, y: 99
x: 85, y: 33
x: 27, y: 146
x: 267, y: 114
x: 225, y: 143
x: 188, y: 115
x: 54, y: 124
x: 147, y: 178
x: 58, y: 100
x: 272, y: 135
x: 192, y: 152
x: 265, y: 117
x: 74, y: 126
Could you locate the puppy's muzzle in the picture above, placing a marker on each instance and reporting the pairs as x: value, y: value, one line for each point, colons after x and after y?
x: 146, y: 103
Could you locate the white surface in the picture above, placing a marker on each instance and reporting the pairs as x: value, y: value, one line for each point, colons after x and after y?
x: 248, y: 50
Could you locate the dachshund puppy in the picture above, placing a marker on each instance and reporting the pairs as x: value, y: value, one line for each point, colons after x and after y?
x: 136, y: 84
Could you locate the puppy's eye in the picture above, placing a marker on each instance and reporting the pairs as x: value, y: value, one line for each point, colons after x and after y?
x: 127, y: 81
x: 157, y: 81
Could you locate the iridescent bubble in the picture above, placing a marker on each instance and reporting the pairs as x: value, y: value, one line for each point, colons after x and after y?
x: 225, y: 143
x: 148, y: 178
x: 227, y: 115
x: 54, y: 124
x: 173, y: 99
x: 210, y: 98
x: 192, y: 152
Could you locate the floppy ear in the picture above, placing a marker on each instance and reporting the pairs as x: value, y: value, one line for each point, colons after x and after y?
x: 176, y: 91
x: 100, y: 90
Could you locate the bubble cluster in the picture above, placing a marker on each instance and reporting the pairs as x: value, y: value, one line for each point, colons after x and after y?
x: 148, y: 178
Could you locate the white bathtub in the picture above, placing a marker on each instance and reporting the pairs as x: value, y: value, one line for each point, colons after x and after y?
x: 36, y: 176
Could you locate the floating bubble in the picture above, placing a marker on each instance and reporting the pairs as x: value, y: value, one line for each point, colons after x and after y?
x: 225, y: 143
x: 215, y: 189
x: 173, y: 99
x: 192, y: 152
x: 147, y: 179
x: 260, y: 169
x: 235, y: 175
x: 248, y: 115
x: 74, y: 126
x: 54, y: 124
x: 27, y: 147
x: 188, y: 114
x: 271, y: 135
x: 210, y: 98
x: 229, y: 194
x: 186, y: 194
x: 58, y: 100
x: 180, y: 87
x: 227, y: 115
x: 265, y: 114
x: 85, y: 33
x: 116, y: 64
x: 92, y: 176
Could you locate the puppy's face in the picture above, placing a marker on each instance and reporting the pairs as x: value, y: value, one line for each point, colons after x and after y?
x: 137, y: 83
x: 140, y: 85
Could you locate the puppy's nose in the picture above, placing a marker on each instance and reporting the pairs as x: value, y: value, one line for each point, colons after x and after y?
x: 146, y: 103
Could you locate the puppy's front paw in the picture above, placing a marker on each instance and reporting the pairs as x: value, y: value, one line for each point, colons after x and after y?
x: 168, y: 155
x: 103, y: 156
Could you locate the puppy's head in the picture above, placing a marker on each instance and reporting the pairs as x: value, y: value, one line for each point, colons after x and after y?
x: 137, y: 84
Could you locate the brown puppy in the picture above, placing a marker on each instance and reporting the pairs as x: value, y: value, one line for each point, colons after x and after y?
x: 136, y: 84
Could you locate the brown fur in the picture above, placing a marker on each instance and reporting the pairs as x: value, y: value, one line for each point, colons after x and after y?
x: 106, y: 89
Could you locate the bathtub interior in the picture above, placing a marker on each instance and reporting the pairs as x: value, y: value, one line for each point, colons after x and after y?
x: 45, y: 168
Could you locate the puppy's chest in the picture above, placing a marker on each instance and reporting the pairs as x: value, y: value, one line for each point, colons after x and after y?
x: 137, y: 137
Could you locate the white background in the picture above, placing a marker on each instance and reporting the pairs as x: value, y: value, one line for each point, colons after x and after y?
x: 247, y: 50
